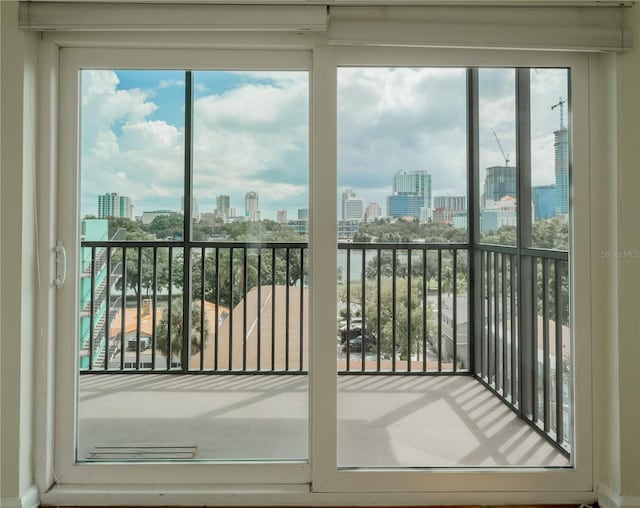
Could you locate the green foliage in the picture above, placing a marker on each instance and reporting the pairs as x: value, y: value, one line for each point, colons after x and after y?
x: 176, y: 332
x: 409, y: 335
x: 167, y: 226
x: 404, y: 231
x: 263, y: 231
x: 233, y: 278
x: 506, y: 235
x: 550, y: 234
x: 134, y: 230
x: 545, y: 234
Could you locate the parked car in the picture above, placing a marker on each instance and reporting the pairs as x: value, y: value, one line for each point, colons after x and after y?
x: 355, y: 344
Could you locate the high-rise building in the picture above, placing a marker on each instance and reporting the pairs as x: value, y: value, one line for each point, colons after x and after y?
x: 561, y: 146
x: 372, y: 212
x: 352, y: 207
x: 126, y: 207
x: 114, y: 205
x: 450, y: 202
x: 404, y: 205
x: 347, y: 194
x: 108, y: 204
x: 251, y: 208
x: 413, y: 182
x: 544, y: 201
x: 223, y: 206
x: 445, y: 208
x: 500, y: 181
x: 281, y: 216
x: 498, y: 213
x: 303, y: 214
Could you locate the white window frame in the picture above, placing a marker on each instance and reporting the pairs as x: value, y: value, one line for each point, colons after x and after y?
x: 67, y: 470
x: 319, y: 481
x: 435, y: 480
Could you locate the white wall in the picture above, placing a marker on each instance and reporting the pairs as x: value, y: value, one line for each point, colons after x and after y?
x: 17, y: 255
x: 620, y: 354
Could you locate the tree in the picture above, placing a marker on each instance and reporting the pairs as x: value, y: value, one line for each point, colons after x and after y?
x: 144, y: 279
x: 134, y: 230
x: 177, y: 329
x: 228, y: 285
x: 505, y: 235
x: 167, y: 226
x: 405, y: 332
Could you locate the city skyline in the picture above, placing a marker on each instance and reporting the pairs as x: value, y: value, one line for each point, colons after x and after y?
x: 132, y: 133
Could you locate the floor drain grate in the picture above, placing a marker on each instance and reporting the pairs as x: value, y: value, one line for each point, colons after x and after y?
x: 143, y: 452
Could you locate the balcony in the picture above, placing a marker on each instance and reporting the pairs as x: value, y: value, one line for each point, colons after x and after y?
x: 447, y: 355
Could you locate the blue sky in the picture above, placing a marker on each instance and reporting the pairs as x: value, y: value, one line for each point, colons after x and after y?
x: 251, y: 133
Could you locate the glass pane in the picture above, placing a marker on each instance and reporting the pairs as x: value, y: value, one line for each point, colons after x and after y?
x: 403, y: 300
x: 157, y: 315
x: 550, y: 158
x: 405, y: 396
x: 131, y: 179
x: 250, y: 184
x: 497, y: 137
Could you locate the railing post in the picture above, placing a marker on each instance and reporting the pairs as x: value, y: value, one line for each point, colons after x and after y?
x: 526, y: 323
x: 475, y: 331
x: 188, y: 188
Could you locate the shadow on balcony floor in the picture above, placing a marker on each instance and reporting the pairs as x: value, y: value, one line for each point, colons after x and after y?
x: 384, y: 421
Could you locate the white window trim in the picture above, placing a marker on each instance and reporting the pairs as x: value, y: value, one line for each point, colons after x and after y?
x: 229, y: 484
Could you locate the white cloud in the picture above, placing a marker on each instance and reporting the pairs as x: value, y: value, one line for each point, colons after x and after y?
x: 254, y: 135
x: 122, y: 149
x: 168, y: 83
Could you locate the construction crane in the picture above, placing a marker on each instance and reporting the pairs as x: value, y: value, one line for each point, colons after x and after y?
x: 561, y: 103
x: 506, y: 157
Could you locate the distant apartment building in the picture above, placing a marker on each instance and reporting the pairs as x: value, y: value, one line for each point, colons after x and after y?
x: 223, y: 206
x: 281, y: 216
x: 461, y: 220
x: 251, y: 206
x: 446, y: 208
x: 499, y: 213
x: 303, y: 214
x: 354, y: 210
x: 352, y: 207
x: 544, y: 201
x: 114, y: 205
x: 500, y: 181
x: 372, y: 212
x: 301, y: 226
x: 95, y: 277
x: 561, y: 146
x: 413, y: 182
x: 404, y: 205
x: 346, y: 195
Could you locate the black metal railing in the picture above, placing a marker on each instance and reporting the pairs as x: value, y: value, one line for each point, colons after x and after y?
x: 523, y: 345
x: 248, y: 305
x: 404, y: 308
x: 498, y: 313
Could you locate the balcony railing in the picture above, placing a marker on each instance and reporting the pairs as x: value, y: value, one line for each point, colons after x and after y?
x: 497, y: 313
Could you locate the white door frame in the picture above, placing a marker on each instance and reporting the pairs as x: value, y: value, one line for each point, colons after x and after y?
x: 291, y: 480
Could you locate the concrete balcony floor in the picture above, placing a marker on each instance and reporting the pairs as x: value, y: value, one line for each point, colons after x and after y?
x: 383, y: 421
